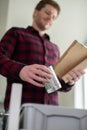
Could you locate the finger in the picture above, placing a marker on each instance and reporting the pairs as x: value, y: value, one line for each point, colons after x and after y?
x: 42, y: 73
x: 66, y: 78
x: 79, y: 72
x: 73, y: 74
x: 69, y: 78
x: 39, y: 78
x: 72, y: 82
x: 35, y: 83
x: 43, y: 68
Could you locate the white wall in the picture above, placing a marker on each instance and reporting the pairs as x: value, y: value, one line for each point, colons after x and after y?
x: 3, y: 15
x: 3, y: 21
x: 70, y: 25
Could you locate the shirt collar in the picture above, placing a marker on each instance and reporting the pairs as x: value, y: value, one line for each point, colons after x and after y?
x: 34, y: 31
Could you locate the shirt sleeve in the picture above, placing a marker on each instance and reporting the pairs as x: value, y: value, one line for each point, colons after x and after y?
x: 65, y: 86
x: 8, y: 67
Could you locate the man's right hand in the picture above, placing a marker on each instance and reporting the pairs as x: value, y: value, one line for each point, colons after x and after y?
x: 35, y: 74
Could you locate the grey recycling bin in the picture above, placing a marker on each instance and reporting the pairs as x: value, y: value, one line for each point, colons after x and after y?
x: 44, y: 117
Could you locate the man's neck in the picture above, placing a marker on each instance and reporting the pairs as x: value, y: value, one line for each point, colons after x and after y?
x: 41, y: 33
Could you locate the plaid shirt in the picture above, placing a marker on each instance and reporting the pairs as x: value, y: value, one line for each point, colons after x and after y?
x: 20, y: 47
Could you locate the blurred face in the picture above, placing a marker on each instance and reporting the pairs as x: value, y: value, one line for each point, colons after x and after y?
x: 44, y: 18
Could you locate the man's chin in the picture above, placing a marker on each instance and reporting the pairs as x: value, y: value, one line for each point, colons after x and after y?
x: 47, y: 27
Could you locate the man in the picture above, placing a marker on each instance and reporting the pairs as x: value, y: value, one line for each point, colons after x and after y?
x: 26, y: 53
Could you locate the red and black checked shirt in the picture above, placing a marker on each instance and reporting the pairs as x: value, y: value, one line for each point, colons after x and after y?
x: 20, y: 47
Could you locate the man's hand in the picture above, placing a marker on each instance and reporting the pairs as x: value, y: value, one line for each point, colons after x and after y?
x: 72, y: 76
x: 35, y: 74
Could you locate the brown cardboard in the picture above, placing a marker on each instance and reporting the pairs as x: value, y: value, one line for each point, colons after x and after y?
x: 73, y: 56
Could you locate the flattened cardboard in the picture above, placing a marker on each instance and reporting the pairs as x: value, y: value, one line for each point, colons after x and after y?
x: 74, y: 56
